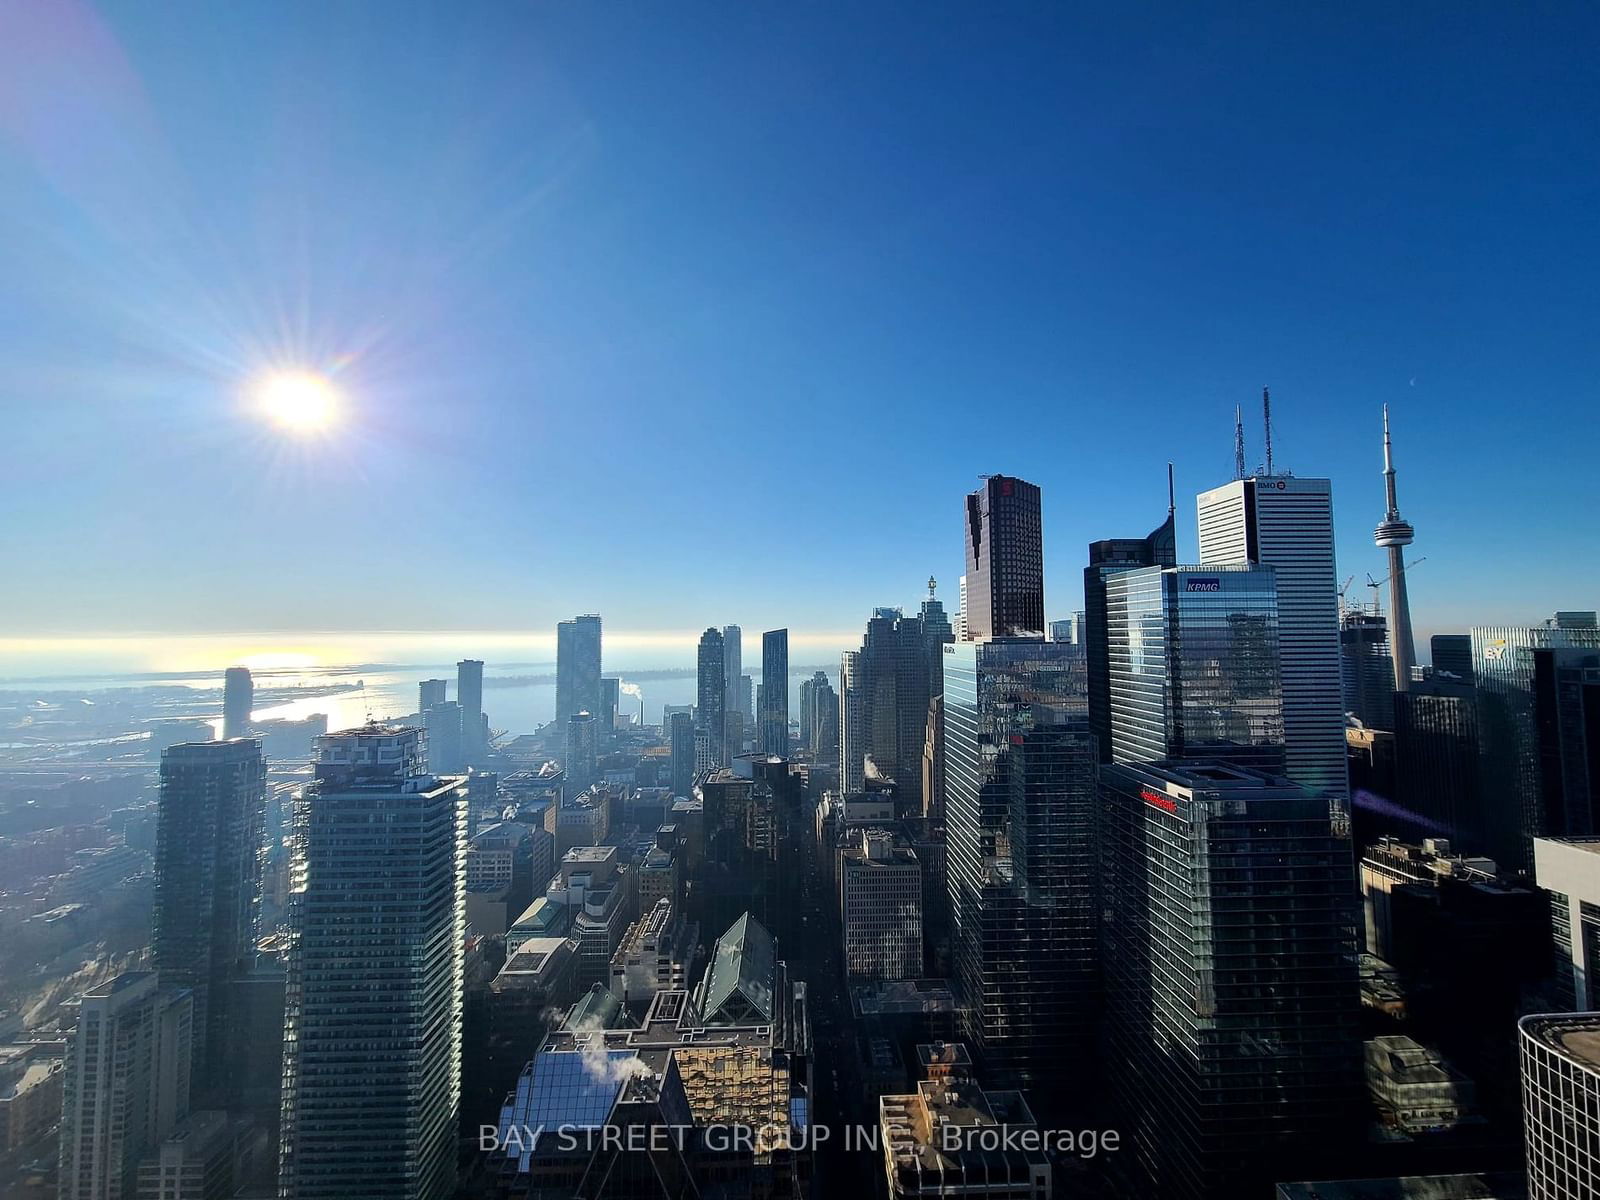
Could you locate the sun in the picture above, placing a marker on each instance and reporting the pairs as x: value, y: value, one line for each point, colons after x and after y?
x: 302, y: 402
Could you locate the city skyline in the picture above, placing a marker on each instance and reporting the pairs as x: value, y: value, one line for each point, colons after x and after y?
x: 1364, y: 222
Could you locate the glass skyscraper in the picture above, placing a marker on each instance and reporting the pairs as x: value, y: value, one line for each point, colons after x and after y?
x: 1232, y: 1008
x: 1020, y: 797
x: 774, y: 715
x: 577, y: 667
x: 1286, y: 522
x: 1005, y: 560
x: 373, y: 999
x: 209, y: 836
x: 1366, y: 669
x: 1106, y: 558
x: 1192, y: 660
x: 711, y: 696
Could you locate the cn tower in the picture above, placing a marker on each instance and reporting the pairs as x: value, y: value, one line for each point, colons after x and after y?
x: 1394, y: 534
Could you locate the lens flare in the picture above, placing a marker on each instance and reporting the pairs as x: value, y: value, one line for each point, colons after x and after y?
x: 301, y: 402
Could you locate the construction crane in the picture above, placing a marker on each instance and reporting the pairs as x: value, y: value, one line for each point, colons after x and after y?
x: 1375, y: 584
x: 1343, y: 588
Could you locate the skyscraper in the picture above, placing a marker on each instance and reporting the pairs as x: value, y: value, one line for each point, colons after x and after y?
x: 126, y: 1083
x: 774, y: 731
x: 1287, y: 523
x: 1560, y: 1103
x: 886, y: 690
x: 1020, y: 803
x: 1538, y: 692
x: 936, y: 631
x: 1366, y: 670
x: 1394, y: 534
x: 431, y: 692
x: 1005, y: 560
x: 209, y: 835
x: 610, y: 699
x: 852, y: 723
x: 445, y: 752
x: 577, y: 667
x: 1452, y: 653
x: 238, y: 698
x: 733, y: 669
x: 1437, y: 762
x: 372, y: 1022
x: 582, y: 751
x: 680, y: 732
x: 711, y: 714
x: 1193, y: 660
x: 1233, y: 1040
x: 469, y: 695
x: 1158, y: 549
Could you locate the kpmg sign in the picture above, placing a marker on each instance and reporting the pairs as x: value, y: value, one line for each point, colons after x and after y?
x: 1202, y: 583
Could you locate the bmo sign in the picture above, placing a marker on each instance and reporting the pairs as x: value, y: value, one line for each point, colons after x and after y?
x: 1202, y: 583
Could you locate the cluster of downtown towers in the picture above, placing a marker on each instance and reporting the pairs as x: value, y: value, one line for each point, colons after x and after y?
x: 1151, y: 918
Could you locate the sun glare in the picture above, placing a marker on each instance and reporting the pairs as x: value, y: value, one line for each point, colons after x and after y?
x: 301, y: 402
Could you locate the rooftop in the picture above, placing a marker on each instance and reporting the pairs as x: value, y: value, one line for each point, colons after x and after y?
x: 1575, y: 1036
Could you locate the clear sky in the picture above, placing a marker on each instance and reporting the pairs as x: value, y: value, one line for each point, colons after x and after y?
x: 703, y: 313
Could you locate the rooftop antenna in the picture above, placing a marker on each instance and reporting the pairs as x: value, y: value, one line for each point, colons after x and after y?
x: 932, y: 584
x: 1238, y: 442
x: 1172, y: 504
x: 1266, y: 420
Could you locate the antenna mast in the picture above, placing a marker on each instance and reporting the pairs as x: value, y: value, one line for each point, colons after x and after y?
x: 1172, y: 504
x: 1266, y: 420
x: 1238, y: 442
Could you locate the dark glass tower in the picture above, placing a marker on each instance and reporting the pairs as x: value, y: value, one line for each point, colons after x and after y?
x: 1366, y: 669
x: 1005, y: 560
x: 469, y: 695
x: 577, y: 667
x: 886, y: 689
x: 1193, y: 660
x: 1106, y: 558
x: 1452, y: 653
x: 238, y: 698
x: 775, y: 692
x: 1436, y: 752
x: 1019, y: 809
x: 680, y: 730
x: 710, y: 714
x: 208, y: 847
x: 1233, y: 1015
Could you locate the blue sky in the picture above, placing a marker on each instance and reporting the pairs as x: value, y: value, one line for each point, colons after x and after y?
x: 703, y: 313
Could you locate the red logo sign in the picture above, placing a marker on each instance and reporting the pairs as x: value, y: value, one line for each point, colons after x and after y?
x: 1164, y: 803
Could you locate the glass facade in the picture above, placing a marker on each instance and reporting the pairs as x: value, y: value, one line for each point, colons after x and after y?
x: 1192, y: 665
x: 1020, y: 779
x: 1005, y: 560
x: 1232, y: 1011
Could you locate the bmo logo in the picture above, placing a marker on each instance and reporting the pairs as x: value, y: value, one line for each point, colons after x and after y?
x: 1208, y: 583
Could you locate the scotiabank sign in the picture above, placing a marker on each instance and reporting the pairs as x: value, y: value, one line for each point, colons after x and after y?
x: 1196, y: 583
x: 1157, y: 800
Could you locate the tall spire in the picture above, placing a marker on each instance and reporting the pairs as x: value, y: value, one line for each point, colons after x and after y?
x: 1172, y: 500
x: 1266, y: 422
x: 1238, y: 442
x: 1394, y: 534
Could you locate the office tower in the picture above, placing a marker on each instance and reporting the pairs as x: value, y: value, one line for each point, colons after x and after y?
x: 852, y: 723
x: 1061, y: 631
x: 886, y: 686
x: 732, y: 668
x: 1452, y: 654
x: 238, y: 699
x: 681, y: 738
x: 1538, y: 694
x: 1193, y: 659
x: 209, y: 839
x: 582, y: 751
x: 1366, y: 671
x: 446, y: 750
x: 880, y: 907
x: 774, y: 733
x: 961, y: 611
x: 126, y: 1083
x: 610, y: 701
x: 1106, y: 558
x: 808, y: 706
x: 1020, y: 804
x: 710, y: 714
x: 372, y: 1021
x: 1005, y: 560
x: 1561, y: 1103
x: 431, y: 692
x: 936, y: 631
x: 1394, y: 534
x: 746, y: 708
x: 1569, y: 871
x: 933, y: 761
x: 577, y: 667
x: 469, y: 695
x: 1436, y: 762
x: 1286, y: 523
x: 1230, y: 963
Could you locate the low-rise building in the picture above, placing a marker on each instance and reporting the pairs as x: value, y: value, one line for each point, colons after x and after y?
x: 1415, y: 1089
x: 657, y: 954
